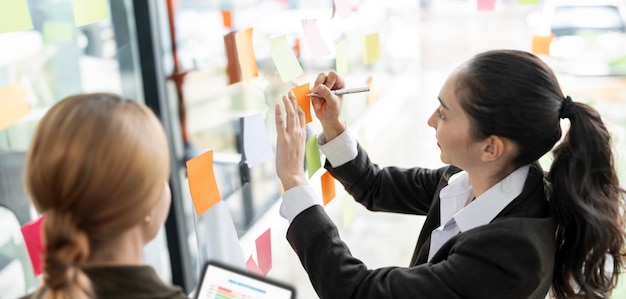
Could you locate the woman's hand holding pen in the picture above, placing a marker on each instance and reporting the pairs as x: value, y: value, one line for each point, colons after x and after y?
x: 328, y: 107
x: 290, y: 143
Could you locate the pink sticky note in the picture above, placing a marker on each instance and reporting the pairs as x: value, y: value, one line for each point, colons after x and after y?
x: 252, y: 267
x: 264, y: 251
x: 342, y: 7
x: 486, y: 5
x: 32, y: 232
x: 314, y: 38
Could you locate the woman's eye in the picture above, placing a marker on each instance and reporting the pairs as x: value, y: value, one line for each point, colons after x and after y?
x: 440, y: 114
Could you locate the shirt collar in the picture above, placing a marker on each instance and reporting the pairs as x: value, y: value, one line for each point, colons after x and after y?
x: 483, y: 209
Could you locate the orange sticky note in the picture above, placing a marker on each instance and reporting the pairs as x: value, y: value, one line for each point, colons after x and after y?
x: 303, y: 101
x: 32, y: 232
x: 13, y: 105
x: 232, y: 66
x: 245, y: 53
x: 541, y: 44
x: 202, y: 183
x: 264, y: 251
x: 227, y: 19
x: 328, y: 187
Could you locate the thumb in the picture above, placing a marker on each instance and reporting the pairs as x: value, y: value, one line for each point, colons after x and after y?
x: 324, y: 91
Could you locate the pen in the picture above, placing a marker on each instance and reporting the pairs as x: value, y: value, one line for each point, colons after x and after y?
x: 342, y: 91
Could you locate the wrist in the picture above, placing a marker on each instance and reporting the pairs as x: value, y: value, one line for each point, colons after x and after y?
x: 333, y: 129
x: 293, y: 181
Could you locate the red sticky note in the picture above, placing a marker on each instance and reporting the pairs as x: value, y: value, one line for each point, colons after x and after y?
x: 328, y: 187
x: 202, y: 183
x: 486, y: 5
x: 264, y: 251
x: 252, y: 267
x: 32, y: 232
x: 303, y: 101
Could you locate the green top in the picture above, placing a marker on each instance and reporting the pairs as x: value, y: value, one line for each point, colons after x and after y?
x: 128, y: 282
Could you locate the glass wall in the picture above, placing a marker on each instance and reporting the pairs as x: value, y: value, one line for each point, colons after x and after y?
x: 55, y: 59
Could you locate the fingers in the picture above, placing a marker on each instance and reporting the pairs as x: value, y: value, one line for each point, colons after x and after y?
x: 330, y: 80
x: 280, y: 125
x: 290, y: 113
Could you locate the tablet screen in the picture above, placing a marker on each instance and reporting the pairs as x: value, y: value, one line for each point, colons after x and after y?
x: 222, y: 282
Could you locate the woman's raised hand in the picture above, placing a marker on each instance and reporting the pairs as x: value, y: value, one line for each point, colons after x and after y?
x: 290, y: 143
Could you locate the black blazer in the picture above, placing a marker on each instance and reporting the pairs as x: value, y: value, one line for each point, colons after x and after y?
x: 511, y: 257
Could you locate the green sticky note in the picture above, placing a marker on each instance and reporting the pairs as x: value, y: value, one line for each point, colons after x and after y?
x: 285, y: 60
x: 313, y: 159
x: 90, y: 11
x: 341, y: 58
x: 58, y: 32
x: 347, y: 205
x: 528, y: 1
x: 371, y: 52
x: 14, y: 16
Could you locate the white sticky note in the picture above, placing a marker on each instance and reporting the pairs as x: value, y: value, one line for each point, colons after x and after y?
x: 256, y: 143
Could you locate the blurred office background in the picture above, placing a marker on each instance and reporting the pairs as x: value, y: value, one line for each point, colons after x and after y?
x: 170, y: 55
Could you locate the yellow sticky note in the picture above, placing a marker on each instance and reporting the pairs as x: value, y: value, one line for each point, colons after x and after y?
x: 14, y: 16
x: 371, y: 52
x: 303, y: 101
x: 245, y: 54
x: 341, y: 58
x: 202, y: 184
x: 90, y: 11
x: 13, y: 105
x: 285, y: 60
x: 528, y: 1
x: 541, y: 44
x: 313, y: 159
x: 328, y: 187
x: 58, y: 32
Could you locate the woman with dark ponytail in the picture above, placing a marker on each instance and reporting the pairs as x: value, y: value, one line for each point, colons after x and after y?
x: 497, y: 225
x: 97, y: 169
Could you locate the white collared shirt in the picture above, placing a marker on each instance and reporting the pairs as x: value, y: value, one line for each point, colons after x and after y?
x: 459, y: 213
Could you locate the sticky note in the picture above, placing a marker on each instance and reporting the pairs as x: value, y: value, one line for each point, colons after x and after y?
x: 202, y: 183
x: 371, y: 52
x: 528, y: 1
x: 256, y: 142
x: 303, y: 101
x: 13, y: 105
x: 342, y: 8
x: 232, y: 63
x: 90, y: 11
x: 541, y: 44
x: 314, y: 38
x: 286, y: 62
x: 264, y: 251
x: 252, y: 267
x: 58, y: 32
x: 227, y: 19
x: 486, y: 5
x: 313, y: 159
x: 341, y: 58
x: 347, y: 207
x: 245, y: 54
x: 328, y: 187
x: 14, y: 16
x: 32, y: 232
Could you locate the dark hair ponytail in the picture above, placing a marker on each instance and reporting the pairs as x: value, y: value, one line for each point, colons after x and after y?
x: 588, y: 202
x: 67, y: 250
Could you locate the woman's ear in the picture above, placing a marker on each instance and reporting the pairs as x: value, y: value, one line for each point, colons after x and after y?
x: 494, y: 148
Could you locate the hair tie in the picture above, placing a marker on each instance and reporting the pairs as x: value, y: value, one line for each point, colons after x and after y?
x: 566, y: 105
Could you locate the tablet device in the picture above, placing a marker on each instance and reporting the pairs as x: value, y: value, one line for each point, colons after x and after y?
x: 219, y: 281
